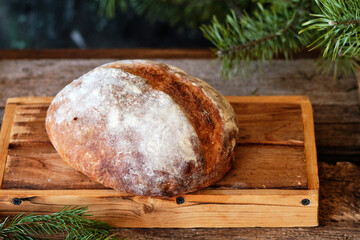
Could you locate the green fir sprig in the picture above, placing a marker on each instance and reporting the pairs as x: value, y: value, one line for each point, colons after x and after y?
x: 69, y: 222
x: 263, y: 29
x: 338, y: 28
x: 262, y: 35
x: 334, y: 30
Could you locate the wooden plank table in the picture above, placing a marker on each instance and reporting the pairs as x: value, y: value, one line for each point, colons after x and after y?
x: 336, y: 114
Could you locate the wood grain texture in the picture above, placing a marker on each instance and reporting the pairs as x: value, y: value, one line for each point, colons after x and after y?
x: 271, y: 147
x: 333, y: 231
x: 43, y: 169
x: 293, y: 99
x: 266, y: 166
x: 339, y: 214
x: 337, y: 124
x: 44, y: 183
x: 339, y: 192
x: 269, y: 123
x: 5, y: 135
x: 217, y: 211
x: 335, y: 103
x: 47, y: 77
x: 32, y: 161
x: 310, y: 147
x: 124, y: 53
x: 27, y: 100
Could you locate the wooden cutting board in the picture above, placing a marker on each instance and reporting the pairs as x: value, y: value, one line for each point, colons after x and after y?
x: 273, y: 183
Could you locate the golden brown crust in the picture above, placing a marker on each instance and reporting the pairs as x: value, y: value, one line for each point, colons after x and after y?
x: 199, y: 109
x: 212, y: 149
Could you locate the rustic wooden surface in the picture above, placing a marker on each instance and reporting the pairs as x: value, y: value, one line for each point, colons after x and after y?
x: 339, y: 214
x: 335, y: 103
x: 105, y: 53
x: 271, y: 147
x: 336, y: 114
x: 122, y: 53
x: 275, y: 169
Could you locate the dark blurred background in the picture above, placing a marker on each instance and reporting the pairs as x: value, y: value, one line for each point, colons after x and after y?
x: 37, y: 24
x: 79, y: 24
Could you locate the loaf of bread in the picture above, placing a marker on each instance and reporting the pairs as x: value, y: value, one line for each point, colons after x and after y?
x: 144, y: 127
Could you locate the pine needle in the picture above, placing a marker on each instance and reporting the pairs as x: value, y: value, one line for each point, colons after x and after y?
x: 272, y: 28
x: 265, y: 33
x: 70, y: 222
x: 339, y: 39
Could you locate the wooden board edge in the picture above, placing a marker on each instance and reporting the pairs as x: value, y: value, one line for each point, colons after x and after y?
x: 122, y: 53
x: 267, y: 99
x: 255, y: 192
x: 5, y: 135
x: 110, y: 192
x: 29, y: 100
x: 109, y: 53
x: 217, y: 211
x: 202, y: 194
x: 310, y: 146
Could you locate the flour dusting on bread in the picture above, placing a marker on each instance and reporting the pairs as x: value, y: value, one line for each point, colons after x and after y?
x: 158, y: 128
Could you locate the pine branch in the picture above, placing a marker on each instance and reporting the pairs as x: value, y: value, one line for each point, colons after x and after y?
x: 70, y: 222
x: 345, y: 22
x: 339, y: 24
x: 262, y: 35
x: 269, y: 30
x: 255, y: 42
x: 339, y: 28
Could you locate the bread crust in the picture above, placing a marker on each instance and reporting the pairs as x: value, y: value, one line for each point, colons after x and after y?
x: 191, y: 128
